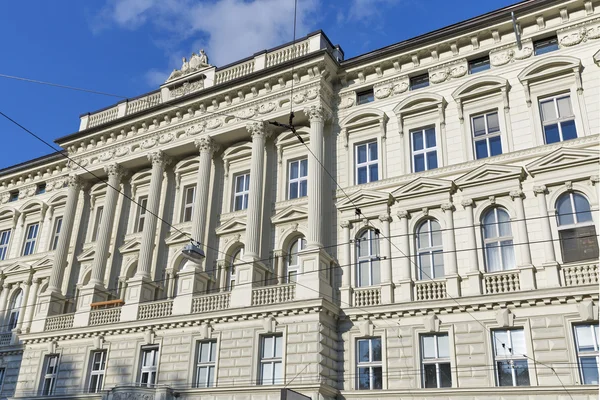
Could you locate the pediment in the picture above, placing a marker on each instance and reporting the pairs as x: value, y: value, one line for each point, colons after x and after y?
x: 16, y: 267
x: 369, y: 116
x: 233, y: 225
x: 87, y: 254
x: 291, y: 213
x: 563, y: 157
x: 480, y: 86
x: 178, y: 236
x: 490, y: 173
x: 365, y: 198
x: 45, y: 262
x: 131, y: 246
x: 421, y: 186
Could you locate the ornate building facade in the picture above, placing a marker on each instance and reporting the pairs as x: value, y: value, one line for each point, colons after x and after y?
x: 427, y: 229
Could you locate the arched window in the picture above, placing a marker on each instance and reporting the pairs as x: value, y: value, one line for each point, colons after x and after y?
x: 430, y: 254
x: 236, y: 259
x: 576, y: 228
x: 15, y: 308
x: 292, y: 258
x: 498, y: 240
x: 367, y: 252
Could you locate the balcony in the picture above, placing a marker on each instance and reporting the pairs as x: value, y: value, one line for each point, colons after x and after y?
x: 582, y: 274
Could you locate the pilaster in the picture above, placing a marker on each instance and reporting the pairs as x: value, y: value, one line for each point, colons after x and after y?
x: 471, y: 284
x: 550, y: 265
x: 450, y: 262
x: 404, y: 287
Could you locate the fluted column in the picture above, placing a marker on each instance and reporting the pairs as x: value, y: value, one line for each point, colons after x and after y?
x: 473, y: 276
x: 24, y: 302
x: 159, y: 162
x: 550, y: 265
x: 115, y: 173
x: 346, y: 259
x: 3, y: 304
x: 450, y: 264
x: 280, y: 271
x: 317, y: 116
x: 517, y: 196
x: 253, y: 221
x: 64, y: 239
x: 386, y: 260
x: 404, y: 287
x: 31, y: 305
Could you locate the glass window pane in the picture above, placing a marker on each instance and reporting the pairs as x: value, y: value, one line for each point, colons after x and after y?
x: 490, y: 228
x: 361, y: 153
x: 508, y: 254
x: 425, y: 264
x: 568, y: 130
x: 423, y: 235
x: 438, y: 264
x: 503, y: 223
x: 363, y: 244
x: 361, y: 175
x: 202, y: 375
x: 564, y: 107
x: 582, y: 208
x: 293, y: 170
x: 247, y: 182
x: 479, y: 125
x: 294, y: 190
x: 304, y: 167
x: 430, y: 375
x: 521, y: 372
x: 239, y: 184
x: 548, y: 110
x: 278, y: 346
x: 504, y: 373
x: 481, y: 150
x: 417, y: 140
x: 565, y: 211
x: 377, y: 378
x: 495, y: 146
x: 518, y: 342
x: 267, y: 347
x: 436, y: 233
x: 419, y: 163
x: 373, y: 151
x: 376, y: 278
x: 430, y: 137
x: 432, y: 160
x: 267, y: 374
x: 445, y: 375
x: 364, y: 379
x: 278, y: 374
x: 239, y: 203
x: 204, y: 352
x: 363, y: 351
x: 551, y: 133
x: 376, y: 349
x: 500, y: 338
x: 493, y: 123
x: 374, y: 241
x: 443, y: 347
x: 428, y: 347
x: 585, y: 338
x: 373, y: 173
x: 589, y: 370
x: 303, y: 189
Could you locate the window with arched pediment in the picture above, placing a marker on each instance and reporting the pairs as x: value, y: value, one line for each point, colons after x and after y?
x: 430, y: 251
x: 368, y: 266
x: 15, y: 309
x: 576, y: 228
x: 292, y: 262
x: 498, y: 240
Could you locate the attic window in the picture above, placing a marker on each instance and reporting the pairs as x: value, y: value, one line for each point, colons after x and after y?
x: 366, y: 96
x: 419, y: 81
x: 14, y: 196
x: 41, y: 188
x: 479, y: 65
x: 545, y: 45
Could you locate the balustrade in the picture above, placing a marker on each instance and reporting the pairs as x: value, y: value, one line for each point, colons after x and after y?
x: 369, y: 296
x: 143, y: 103
x: 234, y: 72
x: 103, y: 117
x: 288, y: 53
x: 430, y: 290
x: 583, y: 274
x: 273, y: 294
x: 58, y: 322
x: 155, y: 309
x: 5, y: 338
x: 106, y: 316
x: 210, y: 302
x: 502, y: 282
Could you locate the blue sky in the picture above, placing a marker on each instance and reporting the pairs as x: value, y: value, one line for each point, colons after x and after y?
x: 128, y: 47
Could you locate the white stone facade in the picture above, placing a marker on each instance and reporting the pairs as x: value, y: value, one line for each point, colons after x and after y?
x: 147, y: 175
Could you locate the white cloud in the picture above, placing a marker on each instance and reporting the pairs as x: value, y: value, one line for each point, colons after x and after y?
x: 368, y: 10
x: 155, y: 77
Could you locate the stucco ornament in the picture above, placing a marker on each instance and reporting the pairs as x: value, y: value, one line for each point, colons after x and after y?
x: 186, y: 88
x: 197, y: 62
x: 347, y: 100
x: 196, y: 128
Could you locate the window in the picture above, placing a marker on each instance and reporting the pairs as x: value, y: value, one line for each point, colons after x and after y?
x: 558, y: 120
x: 367, y: 162
x: 298, y: 182
x: 509, y: 356
x: 231, y: 273
x: 242, y: 189
x: 189, y: 197
x: 30, y: 239
x: 4, y: 240
x: 586, y: 337
x: 292, y: 259
x: 50, y: 373
x: 141, y: 216
x: 366, y: 96
x: 149, y: 366
x: 576, y: 229
x: 56, y: 235
x: 545, y: 45
x: 97, y: 222
x: 205, y: 363
x: 435, y: 353
x: 486, y: 135
x: 15, y: 310
x: 40, y: 189
x: 418, y: 82
x: 479, y: 65
x: 429, y: 250
x: 369, y: 371
x: 2, y: 373
x: 424, y: 149
x: 498, y: 240
x: 97, y: 369
x: 271, y: 366
x: 368, y: 269
x: 13, y: 196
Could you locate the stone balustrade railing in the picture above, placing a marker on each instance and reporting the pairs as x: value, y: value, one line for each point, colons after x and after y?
x: 288, y: 53
x: 103, y: 117
x: 210, y: 302
x: 234, y: 72
x: 369, y: 296
x: 5, y: 338
x: 502, y: 282
x: 155, y: 309
x: 58, y: 322
x: 143, y: 103
x: 105, y: 316
x: 273, y: 294
x: 582, y: 274
x: 430, y: 290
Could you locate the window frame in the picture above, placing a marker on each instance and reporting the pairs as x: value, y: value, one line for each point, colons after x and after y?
x: 298, y: 180
x: 371, y: 364
x: 487, y: 135
x: 418, y: 81
x: 273, y: 361
x: 497, y: 239
x: 510, y: 358
x: 97, y: 372
x: 5, y: 234
x: 29, y: 244
x: 185, y: 206
x: 586, y: 354
x: 559, y: 120
x: 48, y: 390
x: 15, y: 309
x: 151, y: 370
x: 13, y: 196
x: 232, y: 270
x: 244, y: 193
x: 56, y: 232
x: 211, y: 363
x: 369, y: 258
x: 2, y: 376
x: 370, y: 96
x: 40, y: 189
x: 290, y: 268
x: 429, y: 250
x: 576, y: 225
x: 435, y: 360
x: 425, y: 150
x: 477, y: 62
x: 538, y: 44
x: 142, y: 210
x: 368, y: 163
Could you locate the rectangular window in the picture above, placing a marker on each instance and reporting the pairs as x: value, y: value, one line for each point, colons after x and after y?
x: 242, y: 190
x: 579, y: 244
x: 367, y: 162
x: 298, y: 181
x: 30, y: 239
x: 141, y: 213
x: 271, y: 360
x: 486, y: 135
x: 512, y: 368
x: 50, y: 373
x: 97, y: 222
x: 558, y: 120
x: 369, y: 370
x: 56, y: 232
x: 424, y: 149
x: 205, y: 363
x: 545, y: 45
x: 418, y: 82
x: 13, y: 196
x: 4, y: 240
x: 97, y: 370
x: 148, y: 367
x: 479, y: 65
x: 435, y: 361
x: 366, y: 96
x: 189, y: 197
x: 2, y: 373
x: 586, y: 339
x: 40, y: 189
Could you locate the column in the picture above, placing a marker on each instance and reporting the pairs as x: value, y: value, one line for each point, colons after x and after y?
x: 450, y: 263
x: 345, y: 260
x: 31, y: 305
x: 472, y: 281
x: 222, y: 265
x: 25, y: 301
x: 64, y: 240
x: 3, y: 304
x: 159, y: 162
x: 527, y: 275
x: 387, y: 295
x: 280, y: 271
x: 317, y: 116
x: 404, y: 290
x: 550, y: 265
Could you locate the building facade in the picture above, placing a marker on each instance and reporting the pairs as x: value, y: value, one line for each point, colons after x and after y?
x: 427, y: 229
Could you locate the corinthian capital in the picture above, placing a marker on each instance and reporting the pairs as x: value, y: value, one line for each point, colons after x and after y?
x: 541, y: 189
x: 257, y: 129
x: 74, y: 181
x: 317, y: 113
x: 517, y: 193
x: 206, y: 144
x: 114, y: 170
x: 159, y: 158
x: 466, y: 203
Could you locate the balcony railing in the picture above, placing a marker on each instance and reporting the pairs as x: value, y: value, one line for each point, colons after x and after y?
x: 106, y: 316
x: 273, y: 294
x: 155, y: 309
x: 103, y: 117
x: 583, y: 274
x: 430, y: 290
x: 5, y: 338
x: 210, y: 302
x: 288, y: 53
x: 502, y: 282
x: 59, y: 322
x: 143, y: 103
x: 369, y: 296
x: 236, y: 71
